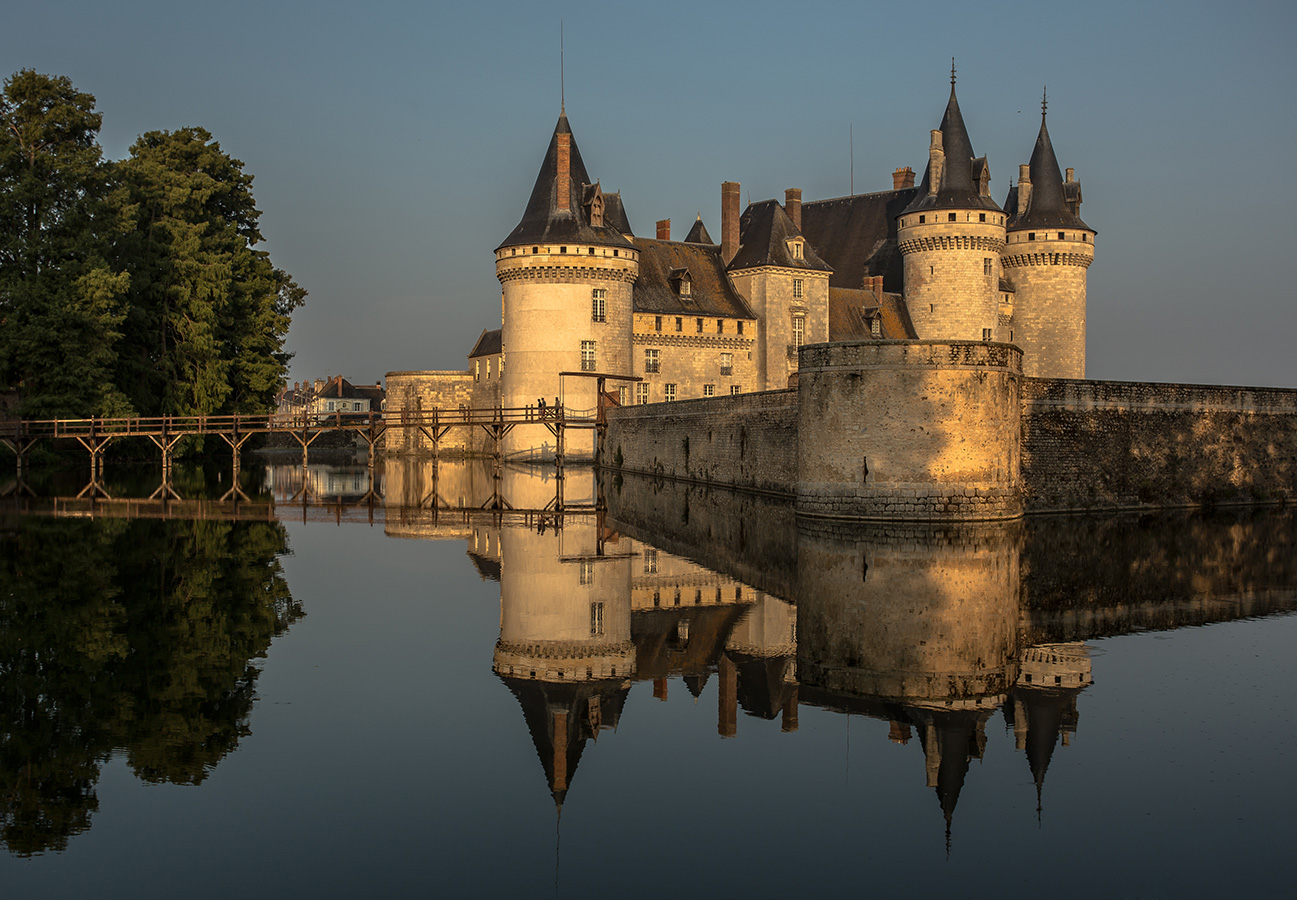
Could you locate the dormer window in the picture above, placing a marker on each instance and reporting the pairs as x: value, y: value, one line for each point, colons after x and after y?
x: 795, y: 248
x: 680, y: 279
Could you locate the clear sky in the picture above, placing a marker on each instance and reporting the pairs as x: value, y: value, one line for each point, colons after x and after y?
x: 394, y: 145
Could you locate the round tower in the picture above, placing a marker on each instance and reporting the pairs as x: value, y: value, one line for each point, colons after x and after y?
x: 950, y: 238
x: 1048, y: 251
x: 566, y: 273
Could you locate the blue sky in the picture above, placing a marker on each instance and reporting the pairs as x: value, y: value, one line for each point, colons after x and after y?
x: 394, y: 146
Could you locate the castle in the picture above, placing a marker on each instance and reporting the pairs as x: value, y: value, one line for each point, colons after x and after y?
x: 696, y: 318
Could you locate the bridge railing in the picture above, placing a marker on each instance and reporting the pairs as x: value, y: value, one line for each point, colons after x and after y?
x: 104, y: 427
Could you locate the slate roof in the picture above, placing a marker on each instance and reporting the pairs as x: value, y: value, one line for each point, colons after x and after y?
x: 544, y: 222
x: 850, y: 311
x: 488, y: 344
x: 856, y: 236
x: 764, y: 232
x: 960, y: 175
x: 614, y: 214
x: 711, y: 291
x: 1047, y: 206
x: 698, y: 234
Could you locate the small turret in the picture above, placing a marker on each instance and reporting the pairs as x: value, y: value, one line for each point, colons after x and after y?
x: 950, y: 237
x: 1048, y: 249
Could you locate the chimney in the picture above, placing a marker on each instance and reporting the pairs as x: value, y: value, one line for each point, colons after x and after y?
x: 793, y: 206
x: 874, y: 284
x: 564, y: 171
x: 902, y: 178
x: 1071, y: 176
x: 729, y: 220
x: 936, y: 159
x: 1024, y: 188
x: 664, y: 229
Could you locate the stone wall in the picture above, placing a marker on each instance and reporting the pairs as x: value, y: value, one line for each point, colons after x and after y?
x: 747, y: 441
x: 426, y: 391
x: 909, y: 430
x: 1113, y: 444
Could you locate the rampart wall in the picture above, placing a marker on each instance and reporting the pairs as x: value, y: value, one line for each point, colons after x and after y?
x: 1120, y: 444
x: 746, y: 441
x: 933, y: 431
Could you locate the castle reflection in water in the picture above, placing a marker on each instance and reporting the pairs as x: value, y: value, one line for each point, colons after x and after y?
x: 931, y: 629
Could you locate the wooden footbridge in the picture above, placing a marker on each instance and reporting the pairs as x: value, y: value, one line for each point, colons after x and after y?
x: 96, y: 434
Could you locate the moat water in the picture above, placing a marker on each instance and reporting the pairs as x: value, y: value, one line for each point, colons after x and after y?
x: 435, y: 682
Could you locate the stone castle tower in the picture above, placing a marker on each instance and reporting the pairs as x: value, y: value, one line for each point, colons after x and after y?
x: 1049, y: 249
x: 950, y: 237
x: 566, y: 271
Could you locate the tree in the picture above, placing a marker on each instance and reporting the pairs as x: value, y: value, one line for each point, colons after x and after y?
x: 60, y: 302
x: 208, y: 313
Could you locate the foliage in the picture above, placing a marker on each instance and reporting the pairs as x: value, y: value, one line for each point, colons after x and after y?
x: 130, y: 286
x: 60, y: 302
x: 126, y: 634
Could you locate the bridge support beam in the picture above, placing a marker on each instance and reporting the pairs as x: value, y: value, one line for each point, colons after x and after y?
x: 19, y: 445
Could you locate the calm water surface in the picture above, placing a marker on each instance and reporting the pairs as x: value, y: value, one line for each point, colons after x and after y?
x: 339, y: 686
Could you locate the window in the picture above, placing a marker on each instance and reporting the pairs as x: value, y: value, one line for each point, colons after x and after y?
x: 981, y: 217
x: 587, y: 356
x: 876, y: 326
x: 700, y: 326
x: 922, y: 219
x: 641, y: 393
x: 621, y: 395
x: 1060, y: 236
x: 587, y: 572
x: 657, y: 323
x: 797, y: 249
x: 650, y: 560
x: 720, y: 326
x: 986, y: 266
x: 1031, y: 235
x: 477, y: 373
x: 740, y: 327
x: 734, y: 390
x: 598, y: 304
x: 562, y: 249
x: 680, y: 324
x: 596, y: 617
x: 799, y: 330
x: 986, y: 334
x: 652, y: 363
x: 535, y: 250
x: 709, y: 390
x: 670, y: 392
x: 684, y: 287
x: 501, y: 365
x: 727, y: 363
x: 799, y: 288
x: 488, y: 368
x: 950, y: 217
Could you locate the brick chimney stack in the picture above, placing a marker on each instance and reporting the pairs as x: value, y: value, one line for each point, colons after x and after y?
x: 902, y: 178
x: 793, y: 206
x: 664, y: 229
x: 729, y: 220
x: 564, y: 171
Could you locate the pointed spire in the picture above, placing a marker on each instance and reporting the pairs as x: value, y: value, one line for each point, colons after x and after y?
x: 958, y: 188
x: 550, y: 217
x: 1047, y: 207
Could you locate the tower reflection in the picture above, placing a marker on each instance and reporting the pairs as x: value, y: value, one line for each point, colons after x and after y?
x: 929, y: 629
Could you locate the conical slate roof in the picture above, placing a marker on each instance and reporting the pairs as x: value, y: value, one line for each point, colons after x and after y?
x: 1047, y: 206
x: 958, y: 188
x: 698, y: 234
x: 543, y: 221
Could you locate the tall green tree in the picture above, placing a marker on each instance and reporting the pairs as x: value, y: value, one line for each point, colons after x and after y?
x: 61, y: 303
x: 209, y: 313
